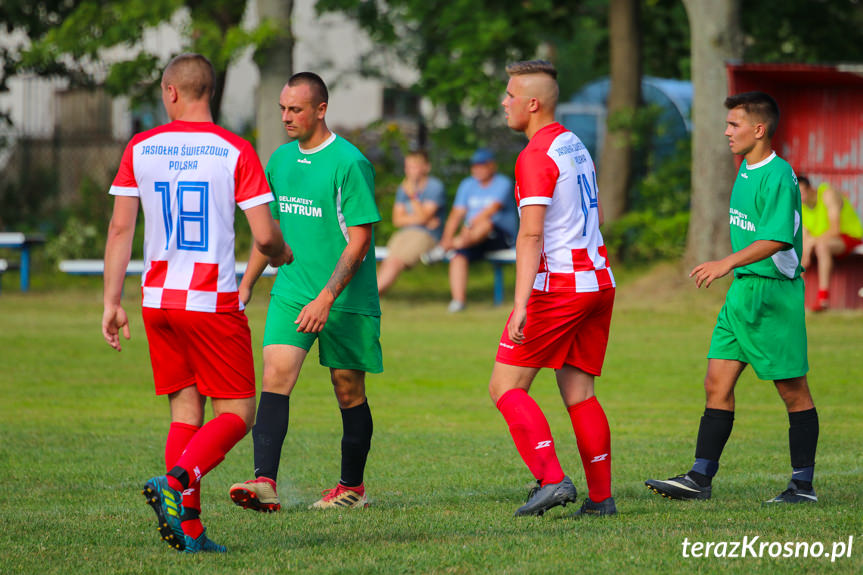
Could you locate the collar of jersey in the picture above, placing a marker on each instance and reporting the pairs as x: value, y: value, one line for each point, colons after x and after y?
x: 763, y: 162
x: 323, y: 145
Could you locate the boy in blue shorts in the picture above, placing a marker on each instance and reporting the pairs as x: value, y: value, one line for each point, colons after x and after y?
x: 762, y: 322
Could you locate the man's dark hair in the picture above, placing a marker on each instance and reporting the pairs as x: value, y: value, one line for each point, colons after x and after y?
x: 758, y: 104
x: 803, y: 179
x: 319, y: 89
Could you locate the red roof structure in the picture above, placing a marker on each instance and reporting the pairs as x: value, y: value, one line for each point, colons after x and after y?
x: 821, y: 126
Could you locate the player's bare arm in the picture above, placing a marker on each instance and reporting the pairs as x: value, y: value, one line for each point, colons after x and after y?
x: 422, y: 214
x: 833, y: 201
x: 314, y: 316
x: 269, y: 247
x: 480, y: 227
x: 528, y: 247
x: 118, y: 251
x: 456, y: 216
x: 268, y: 237
x: 758, y: 250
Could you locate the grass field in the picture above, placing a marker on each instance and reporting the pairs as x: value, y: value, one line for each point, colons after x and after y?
x: 80, y: 431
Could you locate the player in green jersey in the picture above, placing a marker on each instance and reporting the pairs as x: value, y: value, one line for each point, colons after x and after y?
x: 325, y: 204
x: 762, y: 322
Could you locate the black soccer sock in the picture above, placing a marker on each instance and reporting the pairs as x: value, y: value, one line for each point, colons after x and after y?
x: 802, y: 442
x: 713, y: 433
x: 268, y: 434
x: 356, y: 442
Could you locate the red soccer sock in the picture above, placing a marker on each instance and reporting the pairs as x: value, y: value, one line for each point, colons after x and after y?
x: 179, y: 437
x: 209, y: 446
x: 532, y: 435
x: 823, y: 295
x: 192, y: 527
x: 594, y: 445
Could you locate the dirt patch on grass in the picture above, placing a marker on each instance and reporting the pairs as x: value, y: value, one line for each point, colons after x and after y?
x: 668, y: 285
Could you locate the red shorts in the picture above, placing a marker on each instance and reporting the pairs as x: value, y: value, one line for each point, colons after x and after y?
x: 850, y: 244
x: 212, y: 351
x: 562, y: 328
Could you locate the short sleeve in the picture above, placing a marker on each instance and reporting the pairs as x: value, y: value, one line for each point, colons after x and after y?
x: 461, y: 194
x: 536, y: 176
x: 401, y: 196
x: 358, y: 194
x: 124, y: 183
x: 274, y: 205
x: 504, y: 189
x: 435, y: 192
x: 778, y: 204
x: 250, y: 184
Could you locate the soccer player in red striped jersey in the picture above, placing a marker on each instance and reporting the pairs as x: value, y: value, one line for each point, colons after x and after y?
x: 189, y: 176
x: 564, y: 294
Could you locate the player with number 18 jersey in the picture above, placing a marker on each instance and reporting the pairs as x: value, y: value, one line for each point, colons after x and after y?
x: 190, y: 177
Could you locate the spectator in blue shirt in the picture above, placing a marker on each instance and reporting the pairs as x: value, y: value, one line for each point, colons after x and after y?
x: 483, y: 218
x: 418, y: 213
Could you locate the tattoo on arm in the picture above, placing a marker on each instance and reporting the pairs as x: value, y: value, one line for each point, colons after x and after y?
x: 346, y: 267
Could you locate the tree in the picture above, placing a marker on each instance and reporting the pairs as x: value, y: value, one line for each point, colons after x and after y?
x: 459, y: 47
x: 716, y: 38
x: 70, y: 38
x: 624, y: 99
x: 275, y: 62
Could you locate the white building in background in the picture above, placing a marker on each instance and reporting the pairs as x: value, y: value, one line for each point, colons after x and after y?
x: 329, y: 45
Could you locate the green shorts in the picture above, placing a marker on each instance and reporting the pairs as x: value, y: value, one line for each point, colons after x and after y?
x: 763, y: 324
x: 348, y: 340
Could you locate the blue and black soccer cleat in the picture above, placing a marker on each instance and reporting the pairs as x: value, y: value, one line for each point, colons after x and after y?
x: 203, y: 544
x: 167, y: 503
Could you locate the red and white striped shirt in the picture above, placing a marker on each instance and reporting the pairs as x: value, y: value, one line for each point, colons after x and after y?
x: 556, y: 170
x: 190, y: 177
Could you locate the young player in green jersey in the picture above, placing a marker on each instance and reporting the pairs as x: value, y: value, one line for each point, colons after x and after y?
x: 762, y: 322
x: 325, y: 203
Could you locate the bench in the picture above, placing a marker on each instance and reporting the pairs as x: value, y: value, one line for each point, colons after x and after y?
x: 135, y: 267
x: 497, y: 259
x: 23, y: 242
x: 846, y: 282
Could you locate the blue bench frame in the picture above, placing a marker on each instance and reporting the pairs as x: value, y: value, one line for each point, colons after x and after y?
x: 23, y: 242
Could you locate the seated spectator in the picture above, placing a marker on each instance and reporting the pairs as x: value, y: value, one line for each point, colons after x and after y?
x: 483, y: 218
x: 831, y: 229
x: 418, y: 214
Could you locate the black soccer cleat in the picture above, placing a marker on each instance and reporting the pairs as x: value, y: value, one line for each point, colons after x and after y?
x: 679, y: 487
x: 541, y: 499
x: 794, y: 495
x: 590, y: 507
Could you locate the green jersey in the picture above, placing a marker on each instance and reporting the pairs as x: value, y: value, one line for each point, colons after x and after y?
x: 319, y: 194
x: 765, y: 205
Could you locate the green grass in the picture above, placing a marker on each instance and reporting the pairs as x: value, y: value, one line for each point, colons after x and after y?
x: 80, y: 431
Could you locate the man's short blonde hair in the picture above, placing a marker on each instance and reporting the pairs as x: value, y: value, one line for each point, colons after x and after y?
x: 193, y: 76
x: 532, y: 67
